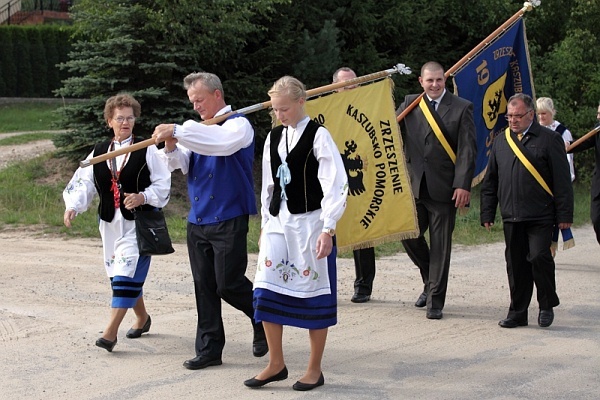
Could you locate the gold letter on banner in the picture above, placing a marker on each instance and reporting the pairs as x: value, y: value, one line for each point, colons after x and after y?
x: 363, y: 124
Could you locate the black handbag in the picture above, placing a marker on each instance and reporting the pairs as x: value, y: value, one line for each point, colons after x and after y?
x: 151, y: 232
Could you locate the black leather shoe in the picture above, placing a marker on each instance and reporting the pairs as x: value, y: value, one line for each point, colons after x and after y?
x: 256, y: 383
x: 360, y: 298
x: 434, y: 314
x: 309, y: 386
x: 106, y: 344
x: 511, y: 323
x: 136, y: 333
x: 545, y: 318
x: 200, y: 362
x: 421, y: 301
x: 259, y: 344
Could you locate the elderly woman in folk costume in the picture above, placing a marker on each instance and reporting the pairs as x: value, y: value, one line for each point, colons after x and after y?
x: 133, y: 180
x: 303, y: 196
x: 546, y: 112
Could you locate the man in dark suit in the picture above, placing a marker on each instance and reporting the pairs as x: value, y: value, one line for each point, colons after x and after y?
x: 364, y: 259
x: 528, y: 176
x: 594, y: 141
x: 440, y: 146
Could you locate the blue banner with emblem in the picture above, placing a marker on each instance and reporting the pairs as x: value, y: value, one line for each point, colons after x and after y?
x: 489, y: 80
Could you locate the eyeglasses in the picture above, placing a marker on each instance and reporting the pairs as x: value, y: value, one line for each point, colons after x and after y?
x: 120, y: 120
x: 516, y: 117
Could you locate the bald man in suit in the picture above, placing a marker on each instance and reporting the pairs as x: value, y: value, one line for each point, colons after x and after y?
x: 441, y: 167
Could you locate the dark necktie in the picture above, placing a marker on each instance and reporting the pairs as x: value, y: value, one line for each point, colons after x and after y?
x: 433, y: 103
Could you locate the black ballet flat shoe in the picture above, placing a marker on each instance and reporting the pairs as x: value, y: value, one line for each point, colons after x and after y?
x: 106, y: 344
x: 136, y: 333
x: 303, y: 387
x: 256, y: 383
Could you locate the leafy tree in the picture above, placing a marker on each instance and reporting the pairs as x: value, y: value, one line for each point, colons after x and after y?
x: 146, y: 49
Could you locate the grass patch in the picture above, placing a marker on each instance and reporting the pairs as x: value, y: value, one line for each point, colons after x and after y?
x: 29, y: 116
x: 26, y: 138
x: 31, y: 194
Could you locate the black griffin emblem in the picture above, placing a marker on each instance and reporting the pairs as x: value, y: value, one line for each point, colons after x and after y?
x: 354, y: 167
x: 495, y: 105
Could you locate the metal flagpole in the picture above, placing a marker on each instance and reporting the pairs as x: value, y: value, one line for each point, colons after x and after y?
x: 398, y: 68
x: 527, y: 6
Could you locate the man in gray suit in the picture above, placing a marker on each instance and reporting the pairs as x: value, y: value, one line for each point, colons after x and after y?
x: 440, y: 146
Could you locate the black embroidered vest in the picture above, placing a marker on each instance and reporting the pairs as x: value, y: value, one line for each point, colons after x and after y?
x: 135, y: 177
x: 304, y: 191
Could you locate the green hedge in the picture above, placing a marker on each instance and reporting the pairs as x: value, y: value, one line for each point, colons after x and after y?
x: 28, y: 59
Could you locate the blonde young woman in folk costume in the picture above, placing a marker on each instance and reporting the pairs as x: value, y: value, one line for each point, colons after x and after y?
x: 546, y: 112
x: 303, y: 196
x: 129, y: 181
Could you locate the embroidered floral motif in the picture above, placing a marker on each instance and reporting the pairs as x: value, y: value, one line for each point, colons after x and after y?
x: 78, y: 183
x: 288, y: 272
x: 268, y: 263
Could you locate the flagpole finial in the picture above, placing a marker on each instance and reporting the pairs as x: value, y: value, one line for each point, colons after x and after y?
x: 403, y: 69
x: 529, y: 5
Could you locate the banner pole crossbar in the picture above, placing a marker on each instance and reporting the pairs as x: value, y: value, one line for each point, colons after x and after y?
x: 398, y: 68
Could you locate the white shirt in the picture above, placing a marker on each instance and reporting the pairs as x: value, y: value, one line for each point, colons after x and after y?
x: 210, y: 140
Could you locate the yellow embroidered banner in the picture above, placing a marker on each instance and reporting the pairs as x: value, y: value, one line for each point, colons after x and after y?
x: 363, y: 124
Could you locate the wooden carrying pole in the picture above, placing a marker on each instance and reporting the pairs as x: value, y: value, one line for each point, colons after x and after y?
x: 398, y: 68
x: 527, y: 6
x: 584, y: 138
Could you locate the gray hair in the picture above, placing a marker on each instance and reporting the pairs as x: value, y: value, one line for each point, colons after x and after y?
x: 526, y: 99
x: 210, y: 81
x: 336, y: 73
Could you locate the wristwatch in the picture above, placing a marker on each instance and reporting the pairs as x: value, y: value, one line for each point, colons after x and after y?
x: 329, y: 231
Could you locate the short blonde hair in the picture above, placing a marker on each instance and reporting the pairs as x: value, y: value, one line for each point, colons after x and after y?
x: 546, y: 104
x: 288, y: 86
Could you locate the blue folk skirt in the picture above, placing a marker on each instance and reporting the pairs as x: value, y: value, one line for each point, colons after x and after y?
x: 310, y: 313
x: 126, y: 291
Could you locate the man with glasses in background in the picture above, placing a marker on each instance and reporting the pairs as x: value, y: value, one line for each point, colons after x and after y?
x: 528, y: 176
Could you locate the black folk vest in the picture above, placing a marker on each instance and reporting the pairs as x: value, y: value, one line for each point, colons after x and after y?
x: 134, y: 178
x: 304, y: 191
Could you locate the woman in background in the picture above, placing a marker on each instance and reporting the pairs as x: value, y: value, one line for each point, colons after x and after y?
x: 546, y: 113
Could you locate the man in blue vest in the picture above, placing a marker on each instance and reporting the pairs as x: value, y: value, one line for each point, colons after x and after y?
x: 218, y: 162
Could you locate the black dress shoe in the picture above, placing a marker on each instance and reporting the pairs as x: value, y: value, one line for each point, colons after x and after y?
x: 309, y: 386
x: 545, y: 318
x: 434, y: 314
x: 421, y: 301
x: 259, y: 344
x: 200, y: 362
x: 106, y: 344
x: 256, y: 383
x: 511, y: 323
x: 136, y: 333
x: 360, y: 298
